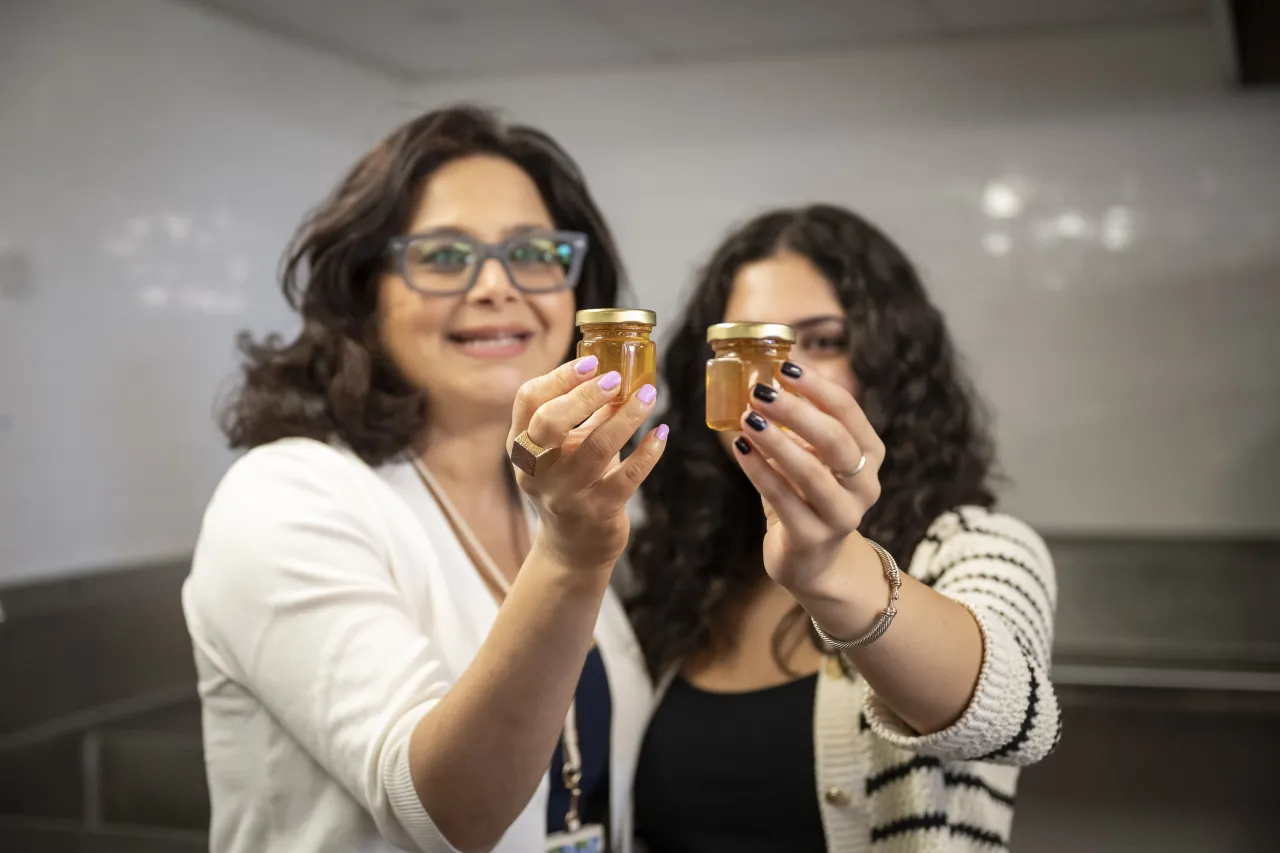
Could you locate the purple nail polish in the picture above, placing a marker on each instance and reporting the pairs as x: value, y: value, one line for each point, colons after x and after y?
x: 744, y: 447
x: 662, y: 432
x: 647, y: 394
x: 611, y: 380
x: 588, y: 364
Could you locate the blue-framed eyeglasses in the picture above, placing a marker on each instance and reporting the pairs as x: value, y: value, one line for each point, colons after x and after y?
x: 446, y: 263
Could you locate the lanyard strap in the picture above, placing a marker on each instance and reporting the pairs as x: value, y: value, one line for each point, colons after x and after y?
x: 571, y: 773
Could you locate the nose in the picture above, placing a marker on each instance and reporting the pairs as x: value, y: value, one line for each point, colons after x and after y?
x: 493, y: 285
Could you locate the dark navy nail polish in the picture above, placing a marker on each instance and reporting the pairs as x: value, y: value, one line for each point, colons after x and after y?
x: 792, y: 370
x: 744, y: 446
x: 756, y: 422
x: 764, y: 392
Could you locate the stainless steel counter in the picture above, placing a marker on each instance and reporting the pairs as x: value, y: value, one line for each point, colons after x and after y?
x: 1184, y: 614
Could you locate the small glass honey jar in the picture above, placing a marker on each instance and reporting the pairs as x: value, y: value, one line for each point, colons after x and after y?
x: 746, y: 354
x: 619, y: 337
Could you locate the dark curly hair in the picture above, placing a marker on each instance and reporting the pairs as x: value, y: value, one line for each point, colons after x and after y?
x: 700, y: 544
x: 334, y: 380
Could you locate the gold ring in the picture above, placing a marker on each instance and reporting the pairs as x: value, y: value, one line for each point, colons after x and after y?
x: 529, y: 457
x: 848, y: 475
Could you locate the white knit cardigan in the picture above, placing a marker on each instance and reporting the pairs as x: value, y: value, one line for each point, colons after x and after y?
x: 884, y: 789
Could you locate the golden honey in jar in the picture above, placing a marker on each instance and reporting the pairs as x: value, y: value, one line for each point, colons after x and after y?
x: 746, y: 355
x: 619, y: 338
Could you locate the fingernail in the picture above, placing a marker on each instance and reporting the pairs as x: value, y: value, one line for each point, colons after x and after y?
x: 647, y: 394
x: 792, y: 370
x: 611, y: 380
x: 744, y: 447
x: 662, y: 432
x: 756, y: 422
x: 765, y: 393
x: 588, y: 364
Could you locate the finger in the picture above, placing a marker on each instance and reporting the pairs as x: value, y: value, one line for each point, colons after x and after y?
x: 541, y: 389
x: 598, y: 417
x: 582, y: 430
x: 835, y: 400
x: 594, y: 456
x: 821, y: 434
x: 619, y: 485
x: 775, y: 491
x: 553, y: 420
x: 835, y: 505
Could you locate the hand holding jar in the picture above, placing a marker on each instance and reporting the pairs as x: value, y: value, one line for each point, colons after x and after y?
x: 566, y: 435
x: 814, y: 457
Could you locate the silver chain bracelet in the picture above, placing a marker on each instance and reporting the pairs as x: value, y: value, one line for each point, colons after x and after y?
x: 894, y: 574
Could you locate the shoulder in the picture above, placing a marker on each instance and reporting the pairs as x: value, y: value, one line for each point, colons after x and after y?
x: 969, y: 533
x: 975, y: 523
x: 289, y: 473
x: 296, y: 461
x: 287, y: 499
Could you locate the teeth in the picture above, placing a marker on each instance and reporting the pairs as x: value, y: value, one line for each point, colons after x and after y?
x: 500, y: 341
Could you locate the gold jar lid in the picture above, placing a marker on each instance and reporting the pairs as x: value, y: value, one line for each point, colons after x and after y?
x: 617, y: 315
x: 758, y: 331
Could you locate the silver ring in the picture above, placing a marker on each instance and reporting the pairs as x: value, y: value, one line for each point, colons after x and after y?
x: 846, y: 475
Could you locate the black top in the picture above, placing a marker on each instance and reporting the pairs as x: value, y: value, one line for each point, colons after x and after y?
x: 724, y: 772
x: 594, y: 715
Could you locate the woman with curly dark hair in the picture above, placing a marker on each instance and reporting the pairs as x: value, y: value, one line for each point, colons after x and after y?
x: 813, y: 697
x: 362, y: 688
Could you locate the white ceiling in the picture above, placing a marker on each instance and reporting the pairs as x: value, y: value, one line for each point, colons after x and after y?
x: 423, y: 40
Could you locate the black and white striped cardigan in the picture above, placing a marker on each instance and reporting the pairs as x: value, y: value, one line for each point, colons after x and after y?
x: 884, y: 789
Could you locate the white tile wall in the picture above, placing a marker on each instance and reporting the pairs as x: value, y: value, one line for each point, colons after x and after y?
x: 153, y: 162
x: 1098, y: 215
x: 1100, y: 219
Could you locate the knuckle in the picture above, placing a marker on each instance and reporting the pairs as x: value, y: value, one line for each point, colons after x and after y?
x: 847, y: 523
x: 539, y: 426
x: 558, y: 505
x: 586, y: 398
x: 832, y: 435
x: 594, y: 447
x: 847, y: 406
x: 635, y: 472
x: 528, y: 393
x: 562, y: 380
x: 812, y: 475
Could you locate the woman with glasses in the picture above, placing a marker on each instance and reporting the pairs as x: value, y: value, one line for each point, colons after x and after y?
x: 391, y: 653
x: 815, y: 695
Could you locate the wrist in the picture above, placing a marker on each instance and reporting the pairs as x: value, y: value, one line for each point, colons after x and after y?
x: 577, y: 565
x: 848, y: 596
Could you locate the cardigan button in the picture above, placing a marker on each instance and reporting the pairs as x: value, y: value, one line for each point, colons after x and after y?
x: 835, y: 797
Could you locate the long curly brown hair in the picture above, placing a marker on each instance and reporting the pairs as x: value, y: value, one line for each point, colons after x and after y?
x: 700, y: 544
x: 334, y: 380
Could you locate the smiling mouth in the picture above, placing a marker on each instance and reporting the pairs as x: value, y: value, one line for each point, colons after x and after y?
x: 495, y: 341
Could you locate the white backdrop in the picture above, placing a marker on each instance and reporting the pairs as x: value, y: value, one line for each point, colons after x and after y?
x: 1100, y: 221
x: 153, y: 162
x: 1098, y: 216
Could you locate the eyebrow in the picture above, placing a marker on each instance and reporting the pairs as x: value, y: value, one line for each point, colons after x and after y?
x: 457, y: 231
x: 810, y: 322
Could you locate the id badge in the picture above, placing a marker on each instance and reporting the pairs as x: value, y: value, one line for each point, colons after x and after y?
x: 588, y: 839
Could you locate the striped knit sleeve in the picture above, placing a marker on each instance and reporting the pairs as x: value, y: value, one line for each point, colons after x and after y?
x: 1000, y: 569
